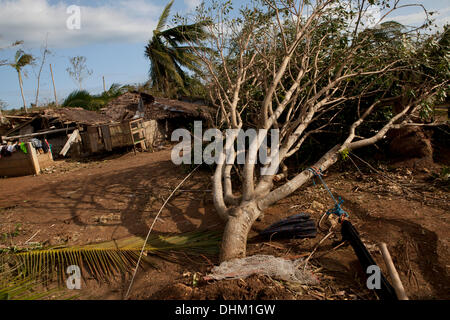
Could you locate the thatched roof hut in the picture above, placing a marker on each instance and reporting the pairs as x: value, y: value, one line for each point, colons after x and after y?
x: 75, y: 115
x: 98, y: 131
x: 126, y: 106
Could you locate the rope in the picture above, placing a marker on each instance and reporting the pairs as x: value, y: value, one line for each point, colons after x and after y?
x: 337, y: 209
x: 151, y: 227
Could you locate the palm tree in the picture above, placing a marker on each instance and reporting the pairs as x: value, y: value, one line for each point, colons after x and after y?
x: 169, y: 52
x: 21, y: 59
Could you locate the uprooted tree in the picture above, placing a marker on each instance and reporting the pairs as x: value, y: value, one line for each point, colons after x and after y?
x: 303, y: 67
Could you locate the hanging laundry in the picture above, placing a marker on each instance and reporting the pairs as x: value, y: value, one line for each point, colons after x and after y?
x: 7, y: 150
x: 37, y: 144
x: 23, y: 147
x: 45, y: 146
x: 4, y: 151
x: 11, y: 147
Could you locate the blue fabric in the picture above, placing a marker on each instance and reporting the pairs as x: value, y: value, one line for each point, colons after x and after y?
x: 37, y: 144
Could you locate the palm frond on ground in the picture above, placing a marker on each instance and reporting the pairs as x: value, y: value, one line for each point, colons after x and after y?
x: 16, y: 286
x: 103, y: 260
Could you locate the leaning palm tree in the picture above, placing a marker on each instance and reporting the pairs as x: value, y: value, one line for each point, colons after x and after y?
x: 169, y: 52
x: 21, y: 59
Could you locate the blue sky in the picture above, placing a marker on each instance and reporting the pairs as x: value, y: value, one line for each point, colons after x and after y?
x: 112, y: 37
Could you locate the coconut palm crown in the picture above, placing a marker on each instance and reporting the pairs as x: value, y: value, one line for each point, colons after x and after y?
x: 21, y: 60
x: 170, y: 54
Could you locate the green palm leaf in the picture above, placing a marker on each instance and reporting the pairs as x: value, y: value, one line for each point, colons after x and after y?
x: 78, y: 98
x: 83, y: 99
x: 104, y: 260
x: 16, y: 286
x: 163, y: 18
x: 21, y: 59
x: 187, y: 33
x: 169, y: 60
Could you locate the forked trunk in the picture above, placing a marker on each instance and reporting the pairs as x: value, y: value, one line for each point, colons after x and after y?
x: 234, y: 241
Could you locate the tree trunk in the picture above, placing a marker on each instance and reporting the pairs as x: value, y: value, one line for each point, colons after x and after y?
x: 167, y: 88
x: 39, y: 79
x: 234, y: 241
x: 21, y: 91
x: 37, y: 91
x: 54, y: 88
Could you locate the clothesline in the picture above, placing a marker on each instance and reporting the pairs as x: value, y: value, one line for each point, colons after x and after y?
x: 7, y: 150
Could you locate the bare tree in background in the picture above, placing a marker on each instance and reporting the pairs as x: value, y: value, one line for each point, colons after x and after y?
x: 78, y: 70
x: 3, y: 120
x: 298, y: 66
x: 44, y: 52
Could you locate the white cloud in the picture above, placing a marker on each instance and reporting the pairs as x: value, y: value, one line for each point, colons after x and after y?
x: 372, y: 16
x: 141, y: 8
x: 410, y: 19
x: 31, y: 20
x: 191, y: 4
x: 441, y: 17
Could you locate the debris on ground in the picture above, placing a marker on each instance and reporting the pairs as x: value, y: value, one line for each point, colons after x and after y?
x: 297, y: 226
x: 278, y: 268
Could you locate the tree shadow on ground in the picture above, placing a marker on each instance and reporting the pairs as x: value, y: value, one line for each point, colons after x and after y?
x: 131, y: 197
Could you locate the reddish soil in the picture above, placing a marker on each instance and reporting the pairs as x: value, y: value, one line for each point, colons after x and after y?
x: 85, y: 202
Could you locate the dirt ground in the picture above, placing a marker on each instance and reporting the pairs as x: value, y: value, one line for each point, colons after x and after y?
x: 119, y: 196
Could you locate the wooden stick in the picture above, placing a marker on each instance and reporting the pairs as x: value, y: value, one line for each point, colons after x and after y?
x: 38, y: 133
x: 17, y: 117
x: 397, y: 283
x: 151, y: 228
x: 34, y: 235
x: 75, y: 134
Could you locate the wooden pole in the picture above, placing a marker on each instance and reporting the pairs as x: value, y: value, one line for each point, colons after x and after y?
x: 104, y: 87
x: 397, y: 283
x: 33, y: 158
x: 54, y: 88
x: 37, y: 134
